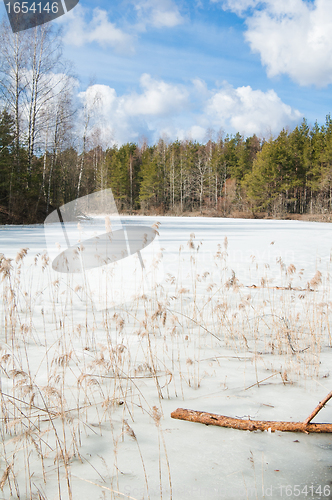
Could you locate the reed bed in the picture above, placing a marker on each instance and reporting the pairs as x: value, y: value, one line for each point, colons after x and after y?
x: 85, y: 394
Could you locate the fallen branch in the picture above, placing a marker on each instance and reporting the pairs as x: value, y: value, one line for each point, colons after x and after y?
x: 318, y: 408
x: 248, y: 425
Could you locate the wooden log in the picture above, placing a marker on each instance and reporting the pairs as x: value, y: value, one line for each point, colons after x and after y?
x: 247, y: 425
x: 318, y: 408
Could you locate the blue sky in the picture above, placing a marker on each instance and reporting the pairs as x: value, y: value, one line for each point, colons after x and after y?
x: 180, y: 68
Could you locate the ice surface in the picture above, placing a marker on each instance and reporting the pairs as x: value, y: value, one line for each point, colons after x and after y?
x: 239, y: 327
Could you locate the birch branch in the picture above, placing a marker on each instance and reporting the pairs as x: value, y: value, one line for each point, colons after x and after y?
x: 248, y: 425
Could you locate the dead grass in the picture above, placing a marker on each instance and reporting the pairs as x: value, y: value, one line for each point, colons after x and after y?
x: 69, y: 374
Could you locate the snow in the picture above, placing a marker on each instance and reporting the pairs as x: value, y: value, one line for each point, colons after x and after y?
x: 238, y: 327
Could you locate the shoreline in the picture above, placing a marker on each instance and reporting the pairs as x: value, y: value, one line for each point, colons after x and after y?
x: 15, y: 220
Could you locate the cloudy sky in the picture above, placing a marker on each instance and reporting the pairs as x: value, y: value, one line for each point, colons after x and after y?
x: 190, y: 68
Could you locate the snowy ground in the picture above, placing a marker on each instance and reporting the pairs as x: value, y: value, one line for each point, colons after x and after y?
x: 238, y: 326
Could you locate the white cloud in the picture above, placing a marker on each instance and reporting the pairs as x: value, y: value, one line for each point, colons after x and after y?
x: 280, y: 7
x: 185, y: 112
x: 131, y: 115
x: 158, y: 13
x: 159, y: 98
x: 293, y: 37
x: 238, y: 6
x: 99, y: 29
x: 84, y: 26
x: 194, y: 133
x: 106, y: 33
x: 249, y: 111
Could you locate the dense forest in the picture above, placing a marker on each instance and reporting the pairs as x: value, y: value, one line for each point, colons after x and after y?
x: 50, y: 153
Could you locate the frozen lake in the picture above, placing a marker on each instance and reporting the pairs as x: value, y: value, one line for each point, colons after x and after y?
x: 252, y: 244
x: 306, y: 243
x: 238, y: 323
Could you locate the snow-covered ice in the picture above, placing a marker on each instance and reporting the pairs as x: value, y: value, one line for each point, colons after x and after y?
x: 240, y: 325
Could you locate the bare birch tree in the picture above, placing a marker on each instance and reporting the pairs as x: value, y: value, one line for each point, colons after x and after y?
x: 90, y: 107
x: 13, y: 61
x: 61, y: 125
x: 32, y: 76
x: 47, y: 79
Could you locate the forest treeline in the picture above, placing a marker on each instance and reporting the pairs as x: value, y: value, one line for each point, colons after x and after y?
x: 51, y: 152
